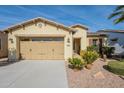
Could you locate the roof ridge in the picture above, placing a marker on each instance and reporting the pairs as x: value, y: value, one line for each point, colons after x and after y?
x: 39, y: 18
x: 81, y: 25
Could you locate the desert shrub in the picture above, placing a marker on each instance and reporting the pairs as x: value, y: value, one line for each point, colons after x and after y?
x: 76, y: 63
x: 82, y: 52
x: 93, y: 48
x: 90, y: 56
x: 108, y: 51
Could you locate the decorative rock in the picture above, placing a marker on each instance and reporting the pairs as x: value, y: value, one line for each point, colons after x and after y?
x: 99, y: 75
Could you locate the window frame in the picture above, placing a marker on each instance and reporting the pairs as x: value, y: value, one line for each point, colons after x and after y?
x: 94, y: 42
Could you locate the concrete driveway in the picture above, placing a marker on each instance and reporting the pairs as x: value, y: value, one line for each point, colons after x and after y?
x: 34, y: 74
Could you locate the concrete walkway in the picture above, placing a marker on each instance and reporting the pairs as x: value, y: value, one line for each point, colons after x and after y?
x: 34, y: 74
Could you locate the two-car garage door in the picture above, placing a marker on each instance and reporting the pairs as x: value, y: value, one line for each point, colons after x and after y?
x: 44, y: 48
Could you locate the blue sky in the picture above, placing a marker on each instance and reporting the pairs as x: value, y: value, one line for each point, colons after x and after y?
x: 95, y: 17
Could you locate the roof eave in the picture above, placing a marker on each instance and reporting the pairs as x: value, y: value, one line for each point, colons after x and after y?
x: 38, y: 19
x: 79, y: 25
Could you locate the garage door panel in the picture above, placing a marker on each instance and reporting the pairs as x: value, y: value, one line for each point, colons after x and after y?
x: 24, y: 48
x: 37, y: 50
x: 59, y: 51
x: 56, y: 50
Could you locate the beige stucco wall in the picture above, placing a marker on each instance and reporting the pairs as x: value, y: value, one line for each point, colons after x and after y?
x: 81, y: 33
x: 88, y: 39
x: 96, y: 37
x: 3, y: 51
x: 32, y: 29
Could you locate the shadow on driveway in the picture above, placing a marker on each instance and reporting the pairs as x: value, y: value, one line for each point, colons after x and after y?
x: 5, y: 62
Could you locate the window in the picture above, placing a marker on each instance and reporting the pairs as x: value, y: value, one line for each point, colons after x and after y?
x: 48, y: 39
x: 94, y: 42
x: 25, y: 39
x: 113, y: 41
x: 0, y: 44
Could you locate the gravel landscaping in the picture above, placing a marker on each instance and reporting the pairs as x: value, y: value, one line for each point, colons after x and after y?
x: 97, y: 77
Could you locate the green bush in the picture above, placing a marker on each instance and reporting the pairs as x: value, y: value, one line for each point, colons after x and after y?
x: 90, y: 56
x: 108, y: 51
x: 82, y: 52
x: 116, y: 67
x: 93, y: 48
x: 76, y: 63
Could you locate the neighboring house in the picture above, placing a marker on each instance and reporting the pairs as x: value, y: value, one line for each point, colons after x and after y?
x: 114, y: 36
x: 118, y: 49
x: 43, y: 39
x: 115, y: 39
x: 3, y: 45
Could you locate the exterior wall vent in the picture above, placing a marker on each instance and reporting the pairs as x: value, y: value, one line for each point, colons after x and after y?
x: 39, y: 25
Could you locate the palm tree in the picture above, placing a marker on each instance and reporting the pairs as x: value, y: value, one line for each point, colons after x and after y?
x: 118, y: 14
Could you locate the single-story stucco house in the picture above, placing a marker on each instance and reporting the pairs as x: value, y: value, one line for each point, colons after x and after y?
x: 3, y: 44
x: 42, y: 39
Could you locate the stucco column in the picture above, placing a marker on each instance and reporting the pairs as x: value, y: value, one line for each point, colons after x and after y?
x: 84, y: 41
